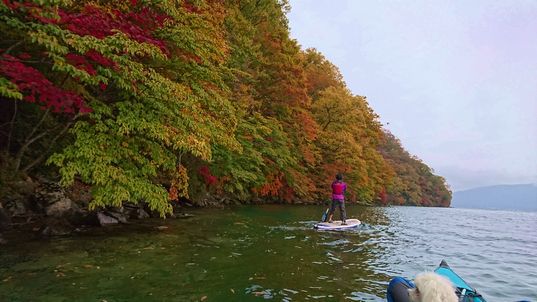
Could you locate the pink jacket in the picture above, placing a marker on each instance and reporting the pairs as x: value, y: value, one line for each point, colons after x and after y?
x: 338, y: 190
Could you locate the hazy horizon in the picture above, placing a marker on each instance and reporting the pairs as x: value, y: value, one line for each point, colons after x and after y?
x: 455, y: 81
x: 494, y: 185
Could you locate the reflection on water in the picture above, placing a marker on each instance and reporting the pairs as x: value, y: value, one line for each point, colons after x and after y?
x: 272, y: 252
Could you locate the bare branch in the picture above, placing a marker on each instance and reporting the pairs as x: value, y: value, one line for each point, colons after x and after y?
x: 12, y: 47
x: 11, y: 127
x: 52, y: 142
x: 29, y: 140
x: 38, y: 124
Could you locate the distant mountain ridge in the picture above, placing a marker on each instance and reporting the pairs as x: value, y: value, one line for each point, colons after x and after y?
x: 504, y: 197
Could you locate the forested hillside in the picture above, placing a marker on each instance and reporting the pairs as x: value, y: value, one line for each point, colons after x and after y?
x: 161, y: 101
x: 414, y: 183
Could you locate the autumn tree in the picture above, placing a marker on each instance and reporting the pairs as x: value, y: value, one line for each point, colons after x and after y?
x: 414, y: 183
x: 158, y: 101
x: 141, y: 82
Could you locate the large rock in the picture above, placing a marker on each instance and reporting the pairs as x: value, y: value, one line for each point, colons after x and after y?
x: 5, y: 221
x: 141, y: 214
x: 17, y: 195
x: 117, y: 214
x: 51, y: 199
x: 48, y: 193
x: 105, y: 219
x: 61, y: 208
x: 135, y: 211
x: 16, y: 205
x: 23, y: 187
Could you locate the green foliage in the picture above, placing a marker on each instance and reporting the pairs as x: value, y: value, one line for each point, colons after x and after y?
x: 148, y: 107
x: 184, y: 99
x: 9, y: 90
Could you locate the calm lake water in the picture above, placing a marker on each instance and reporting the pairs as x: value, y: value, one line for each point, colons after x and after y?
x: 272, y: 252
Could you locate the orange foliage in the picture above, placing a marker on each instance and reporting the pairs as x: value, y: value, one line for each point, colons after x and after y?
x: 307, y: 154
x: 272, y: 186
x: 179, y: 185
x: 288, y: 194
x: 303, y: 184
x: 308, y: 124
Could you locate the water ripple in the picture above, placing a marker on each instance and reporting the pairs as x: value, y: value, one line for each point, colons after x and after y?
x: 273, y: 253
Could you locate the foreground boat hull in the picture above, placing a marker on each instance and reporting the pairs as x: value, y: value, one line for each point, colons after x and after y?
x: 463, y: 288
x: 398, y: 288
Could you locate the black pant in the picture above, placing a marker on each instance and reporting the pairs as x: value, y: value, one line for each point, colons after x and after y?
x: 341, y: 204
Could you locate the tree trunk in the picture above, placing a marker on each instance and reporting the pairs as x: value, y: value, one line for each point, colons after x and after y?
x: 29, y: 140
x: 11, y: 126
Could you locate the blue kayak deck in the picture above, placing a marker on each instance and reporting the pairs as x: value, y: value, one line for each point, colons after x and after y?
x: 458, y: 282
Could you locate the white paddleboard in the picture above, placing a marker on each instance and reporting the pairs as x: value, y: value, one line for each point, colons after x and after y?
x: 336, y: 225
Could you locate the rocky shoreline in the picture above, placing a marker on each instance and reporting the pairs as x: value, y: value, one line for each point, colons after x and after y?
x: 43, y: 208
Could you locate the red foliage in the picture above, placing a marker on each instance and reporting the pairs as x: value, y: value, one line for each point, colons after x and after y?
x: 189, y: 7
x: 383, y: 196
x: 24, y: 56
x: 80, y: 62
x: 11, y: 5
x: 207, y: 176
x: 96, y: 22
x: 100, y: 59
x: 38, y: 89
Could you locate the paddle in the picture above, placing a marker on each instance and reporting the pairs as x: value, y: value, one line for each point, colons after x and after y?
x: 325, y: 215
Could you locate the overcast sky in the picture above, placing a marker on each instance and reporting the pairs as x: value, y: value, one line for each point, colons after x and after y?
x: 456, y: 80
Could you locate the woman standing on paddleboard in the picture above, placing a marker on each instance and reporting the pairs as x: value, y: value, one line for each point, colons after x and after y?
x: 338, y: 198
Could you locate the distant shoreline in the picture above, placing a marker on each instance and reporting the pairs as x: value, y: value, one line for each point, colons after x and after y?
x: 518, y: 197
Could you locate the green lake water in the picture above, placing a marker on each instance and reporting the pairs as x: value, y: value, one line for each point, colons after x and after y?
x: 256, y: 253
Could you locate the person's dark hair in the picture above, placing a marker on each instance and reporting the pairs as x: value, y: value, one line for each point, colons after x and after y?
x: 339, y: 176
